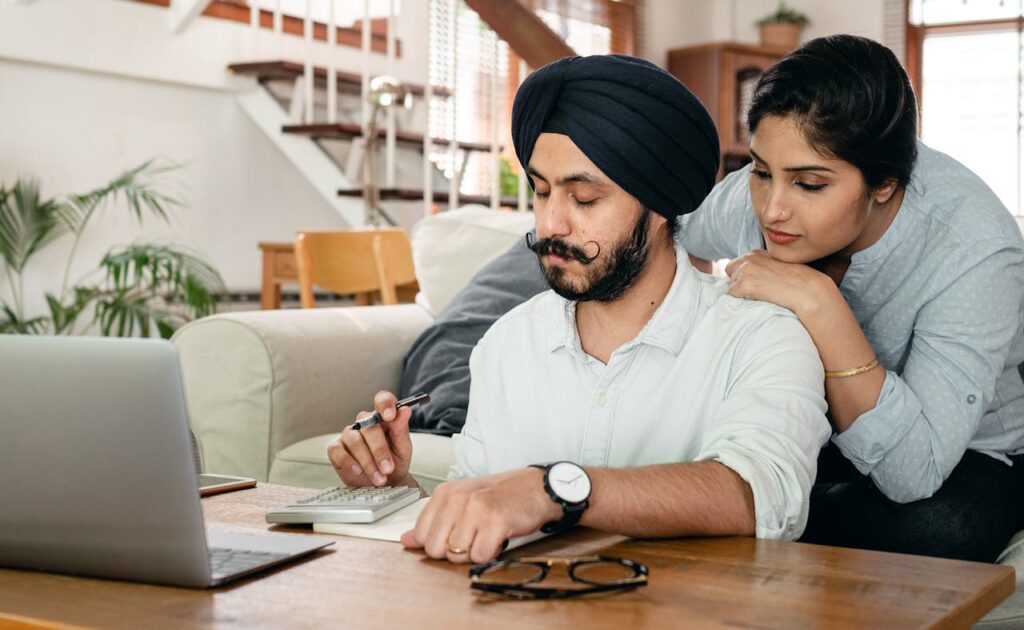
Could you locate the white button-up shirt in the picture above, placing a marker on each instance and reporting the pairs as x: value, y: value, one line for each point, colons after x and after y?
x: 709, y: 377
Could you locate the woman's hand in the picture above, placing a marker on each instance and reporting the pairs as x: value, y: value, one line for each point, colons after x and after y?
x: 758, y: 276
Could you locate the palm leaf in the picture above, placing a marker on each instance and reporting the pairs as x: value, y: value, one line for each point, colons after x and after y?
x: 11, y: 324
x: 136, y: 186
x: 64, y: 316
x: 121, y: 313
x: 27, y: 222
x: 152, y: 284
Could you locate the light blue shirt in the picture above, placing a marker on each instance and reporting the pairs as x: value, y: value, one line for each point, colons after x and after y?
x: 940, y: 297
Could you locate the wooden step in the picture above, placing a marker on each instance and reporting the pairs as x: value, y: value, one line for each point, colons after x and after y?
x: 347, y: 131
x: 440, y: 196
x: 288, y: 70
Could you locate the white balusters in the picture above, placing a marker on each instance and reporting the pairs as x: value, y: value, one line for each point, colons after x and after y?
x: 389, y: 151
x: 365, y: 90
x: 254, y: 22
x: 522, y: 172
x: 453, y: 186
x: 307, y: 75
x: 428, y: 171
x: 279, y: 28
x: 495, y: 156
x: 332, y: 67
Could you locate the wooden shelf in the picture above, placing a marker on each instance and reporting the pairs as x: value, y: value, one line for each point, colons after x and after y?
x: 289, y: 70
x: 346, y: 131
x: 440, y: 196
x: 722, y: 76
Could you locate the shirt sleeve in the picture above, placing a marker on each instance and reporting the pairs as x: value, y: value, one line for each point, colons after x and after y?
x: 724, y: 226
x: 926, y: 416
x: 772, y: 424
x: 468, y: 445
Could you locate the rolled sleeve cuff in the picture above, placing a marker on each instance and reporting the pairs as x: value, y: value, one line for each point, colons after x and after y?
x: 876, y: 432
x: 777, y: 517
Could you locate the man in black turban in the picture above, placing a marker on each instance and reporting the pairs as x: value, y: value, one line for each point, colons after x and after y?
x: 636, y: 396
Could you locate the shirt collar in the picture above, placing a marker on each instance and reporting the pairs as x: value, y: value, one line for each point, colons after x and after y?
x: 901, y: 224
x: 668, y: 328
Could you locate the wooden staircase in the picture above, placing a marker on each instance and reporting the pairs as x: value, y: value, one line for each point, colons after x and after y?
x: 440, y: 196
x: 343, y: 139
x: 350, y: 83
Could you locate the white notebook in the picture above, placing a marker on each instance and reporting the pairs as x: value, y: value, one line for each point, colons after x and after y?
x: 392, y: 526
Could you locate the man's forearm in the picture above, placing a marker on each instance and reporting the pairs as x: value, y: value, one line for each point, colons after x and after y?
x: 696, y: 499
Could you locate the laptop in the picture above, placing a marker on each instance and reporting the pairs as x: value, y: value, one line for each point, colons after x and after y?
x: 96, y: 468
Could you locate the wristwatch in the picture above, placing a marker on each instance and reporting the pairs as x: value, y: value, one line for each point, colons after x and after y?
x: 568, y: 485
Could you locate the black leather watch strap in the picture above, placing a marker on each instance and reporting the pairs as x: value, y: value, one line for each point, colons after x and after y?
x: 571, y: 512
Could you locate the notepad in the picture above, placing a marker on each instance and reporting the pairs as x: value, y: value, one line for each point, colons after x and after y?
x: 392, y: 526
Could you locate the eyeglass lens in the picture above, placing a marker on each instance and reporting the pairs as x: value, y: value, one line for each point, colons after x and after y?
x: 513, y: 573
x: 602, y: 572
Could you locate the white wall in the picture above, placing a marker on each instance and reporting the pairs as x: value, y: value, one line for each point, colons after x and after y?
x: 76, y: 131
x: 112, y: 87
x: 675, y: 23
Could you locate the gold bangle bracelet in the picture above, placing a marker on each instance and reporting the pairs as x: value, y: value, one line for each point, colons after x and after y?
x: 852, y: 371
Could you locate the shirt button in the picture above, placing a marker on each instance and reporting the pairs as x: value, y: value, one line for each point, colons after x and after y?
x: 971, y: 398
x: 602, y: 399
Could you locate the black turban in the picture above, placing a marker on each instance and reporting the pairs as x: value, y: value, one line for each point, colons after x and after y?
x: 635, y: 121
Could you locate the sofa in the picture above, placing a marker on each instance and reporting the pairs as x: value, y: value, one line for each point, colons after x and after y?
x: 267, y: 391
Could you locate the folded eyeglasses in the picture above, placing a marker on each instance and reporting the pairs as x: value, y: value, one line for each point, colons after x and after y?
x: 521, y: 578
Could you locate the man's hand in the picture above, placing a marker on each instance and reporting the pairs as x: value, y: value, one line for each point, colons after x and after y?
x: 377, y: 455
x: 469, y: 520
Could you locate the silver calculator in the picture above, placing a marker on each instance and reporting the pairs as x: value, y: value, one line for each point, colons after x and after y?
x: 345, y: 505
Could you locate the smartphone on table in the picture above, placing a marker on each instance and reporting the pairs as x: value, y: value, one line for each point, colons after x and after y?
x: 216, y: 484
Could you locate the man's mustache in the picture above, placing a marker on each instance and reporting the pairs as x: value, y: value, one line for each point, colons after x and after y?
x: 559, y: 247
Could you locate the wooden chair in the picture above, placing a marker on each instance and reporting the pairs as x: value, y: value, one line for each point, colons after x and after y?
x: 359, y: 262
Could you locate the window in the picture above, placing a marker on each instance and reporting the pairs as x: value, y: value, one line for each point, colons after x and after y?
x: 588, y: 26
x: 970, y: 87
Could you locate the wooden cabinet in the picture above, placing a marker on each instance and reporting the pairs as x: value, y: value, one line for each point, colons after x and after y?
x: 723, y: 77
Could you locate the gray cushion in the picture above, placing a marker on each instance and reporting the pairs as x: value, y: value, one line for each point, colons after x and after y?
x: 438, y: 361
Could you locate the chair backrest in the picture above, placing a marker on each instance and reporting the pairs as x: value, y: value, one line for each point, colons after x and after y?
x: 354, y: 262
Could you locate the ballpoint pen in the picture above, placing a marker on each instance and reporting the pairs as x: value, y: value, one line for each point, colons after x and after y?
x: 375, y: 418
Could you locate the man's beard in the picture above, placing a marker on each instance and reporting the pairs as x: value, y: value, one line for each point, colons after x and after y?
x: 607, y: 279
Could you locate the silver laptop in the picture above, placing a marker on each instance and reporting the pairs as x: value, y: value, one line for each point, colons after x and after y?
x: 96, y: 469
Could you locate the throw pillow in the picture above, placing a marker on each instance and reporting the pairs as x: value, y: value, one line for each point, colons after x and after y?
x: 438, y: 361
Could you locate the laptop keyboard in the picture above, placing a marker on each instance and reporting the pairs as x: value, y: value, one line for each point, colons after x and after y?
x: 225, y: 562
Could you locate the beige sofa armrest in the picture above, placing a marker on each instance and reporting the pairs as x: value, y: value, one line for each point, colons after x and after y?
x: 259, y: 381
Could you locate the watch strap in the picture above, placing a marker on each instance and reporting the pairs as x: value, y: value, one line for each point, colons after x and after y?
x: 571, y: 512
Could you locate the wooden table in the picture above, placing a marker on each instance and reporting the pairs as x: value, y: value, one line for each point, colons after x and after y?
x: 280, y: 267
x: 695, y: 583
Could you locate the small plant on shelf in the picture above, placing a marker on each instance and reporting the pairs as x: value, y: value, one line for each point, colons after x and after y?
x: 781, y: 28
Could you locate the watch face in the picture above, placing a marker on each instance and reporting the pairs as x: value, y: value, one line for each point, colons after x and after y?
x: 569, y: 482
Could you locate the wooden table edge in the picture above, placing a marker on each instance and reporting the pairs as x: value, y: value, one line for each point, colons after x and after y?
x: 971, y: 611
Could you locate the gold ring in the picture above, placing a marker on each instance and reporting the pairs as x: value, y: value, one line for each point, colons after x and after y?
x: 457, y: 551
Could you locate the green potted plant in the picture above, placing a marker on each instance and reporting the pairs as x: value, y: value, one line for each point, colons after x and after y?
x: 136, y: 289
x: 781, y: 28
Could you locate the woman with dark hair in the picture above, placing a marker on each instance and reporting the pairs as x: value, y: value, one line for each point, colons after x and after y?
x: 908, y: 273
